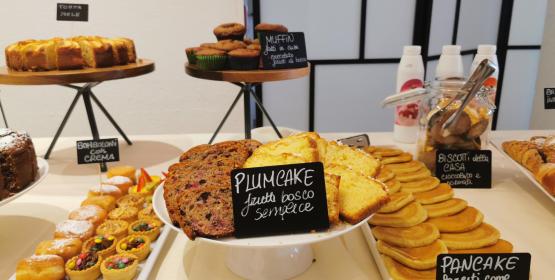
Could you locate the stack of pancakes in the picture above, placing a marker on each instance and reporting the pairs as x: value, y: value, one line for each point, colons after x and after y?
x: 423, y: 219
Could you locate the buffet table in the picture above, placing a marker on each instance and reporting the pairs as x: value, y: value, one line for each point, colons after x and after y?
x: 522, y: 213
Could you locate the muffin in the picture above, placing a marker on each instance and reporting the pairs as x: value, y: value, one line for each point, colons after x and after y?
x: 229, y: 45
x: 208, y: 45
x: 191, y: 56
x: 268, y: 27
x: 211, y: 59
x: 120, y: 267
x: 244, y: 59
x: 232, y: 31
x: 254, y: 47
x: 103, y: 244
x: 251, y: 41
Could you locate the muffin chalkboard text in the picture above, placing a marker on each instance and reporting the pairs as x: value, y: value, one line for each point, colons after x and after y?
x: 279, y: 199
x: 97, y: 151
x: 549, y: 98
x: 483, y: 266
x: 282, y: 50
x: 72, y: 12
x: 464, y: 168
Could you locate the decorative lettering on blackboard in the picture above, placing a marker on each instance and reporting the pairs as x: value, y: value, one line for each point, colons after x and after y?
x: 97, y: 151
x: 283, y: 50
x: 549, y: 98
x: 72, y: 12
x: 515, y: 266
x: 464, y: 168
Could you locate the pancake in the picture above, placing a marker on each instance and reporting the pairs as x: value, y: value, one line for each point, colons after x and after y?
x: 468, y: 219
x: 406, y: 167
x: 383, y: 151
x: 408, y: 216
x: 419, y: 235
x: 423, y: 185
x: 482, y: 236
x: 403, y: 157
x: 418, y: 257
x: 385, y: 174
x: 393, y: 186
x: 500, y: 247
x: 397, y: 201
x: 398, y: 271
x: 445, y: 208
x: 420, y: 174
x: 441, y: 193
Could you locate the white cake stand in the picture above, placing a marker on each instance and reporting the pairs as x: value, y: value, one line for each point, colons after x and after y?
x: 41, y: 174
x: 274, y: 257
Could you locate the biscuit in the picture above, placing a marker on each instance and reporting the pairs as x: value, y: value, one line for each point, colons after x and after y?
x: 420, y: 174
x: 420, y: 258
x: 408, y: 216
x: 468, y: 219
x: 422, y: 185
x: 404, y: 157
x: 441, y: 193
x: 445, y: 208
x: 383, y: 151
x: 399, y: 271
x: 397, y: 201
x: 500, y: 247
x: 419, y: 235
x: 482, y: 236
x: 385, y: 174
x: 393, y: 186
x: 406, y: 167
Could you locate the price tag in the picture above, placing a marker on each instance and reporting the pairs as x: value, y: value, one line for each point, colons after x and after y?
x: 464, y: 168
x: 279, y: 199
x: 282, y: 50
x: 97, y: 151
x: 72, y: 12
x: 549, y: 98
x: 358, y: 141
x: 515, y: 266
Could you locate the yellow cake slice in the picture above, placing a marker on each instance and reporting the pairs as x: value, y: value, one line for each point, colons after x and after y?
x: 337, y: 154
x: 259, y: 159
x: 321, y: 143
x: 301, y: 146
x: 332, y: 197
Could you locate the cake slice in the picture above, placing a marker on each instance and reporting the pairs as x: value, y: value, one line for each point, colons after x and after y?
x: 359, y: 195
x: 332, y: 197
x: 119, y: 51
x: 259, y: 159
x: 131, y: 53
x: 68, y: 55
x: 34, y: 56
x: 338, y: 154
x: 321, y: 143
x: 95, y: 52
x: 302, y: 146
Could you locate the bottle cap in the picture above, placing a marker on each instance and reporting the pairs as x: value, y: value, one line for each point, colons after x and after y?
x: 451, y: 50
x: 487, y: 49
x: 411, y: 50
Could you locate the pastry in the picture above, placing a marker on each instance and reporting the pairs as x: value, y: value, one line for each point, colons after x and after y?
x: 393, y: 186
x: 130, y: 47
x: 400, y: 272
x: 223, y: 154
x: 146, y: 184
x: 122, y: 182
x: 229, y: 45
x: 406, y: 167
x: 123, y: 170
x: 269, y: 27
x: 41, y: 267
x: 351, y: 157
x: 18, y: 167
x: 383, y: 151
x: 34, y: 56
x: 96, y: 53
x: 420, y: 258
x: 103, y: 189
x: 397, y: 201
x: 482, y: 236
x: 92, y: 213
x: 63, y: 247
x: 408, y: 216
x: 441, y: 193
x: 119, y: 50
x: 500, y: 247
x: 359, y: 195
x: 105, y: 202
x: 415, y: 236
x: 122, y: 266
x: 137, y: 245
x: 211, y: 59
x: 68, y: 55
x: 385, y: 174
x: 125, y: 213
x: 135, y: 200
x: 116, y: 228
x: 85, y: 266
x: 422, y: 185
x: 230, y: 31
x: 148, y: 228
x: 445, y: 208
x: 148, y: 213
x: 420, y: 174
x: 244, y: 59
x: 74, y: 229
x: 546, y: 176
x: 404, y: 157
x: 102, y: 244
x: 466, y: 220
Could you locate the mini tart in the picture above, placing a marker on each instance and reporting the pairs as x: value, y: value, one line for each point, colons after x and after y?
x: 126, y: 213
x: 244, y: 59
x: 117, y: 228
x: 85, y: 266
x: 135, y: 200
x: 103, y: 244
x: 148, y: 213
x: 119, y: 267
x: 146, y: 227
x: 211, y: 59
x: 149, y: 188
x: 137, y: 245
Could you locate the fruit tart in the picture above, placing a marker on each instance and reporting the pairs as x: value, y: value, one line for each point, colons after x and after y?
x: 146, y: 227
x: 122, y: 266
x: 137, y: 245
x: 117, y: 228
x: 146, y: 184
x: 126, y: 213
x: 103, y: 244
x: 85, y: 266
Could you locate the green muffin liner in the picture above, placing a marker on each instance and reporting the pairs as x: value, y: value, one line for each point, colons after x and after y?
x: 191, y: 57
x: 211, y: 62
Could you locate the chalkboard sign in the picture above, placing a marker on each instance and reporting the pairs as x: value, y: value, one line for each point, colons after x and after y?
x: 549, y: 98
x: 72, y: 12
x: 358, y: 141
x: 97, y: 151
x: 464, y: 168
x: 282, y: 50
x: 279, y: 199
x: 514, y: 266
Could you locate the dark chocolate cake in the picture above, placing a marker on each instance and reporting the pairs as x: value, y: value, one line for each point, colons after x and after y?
x: 18, y: 162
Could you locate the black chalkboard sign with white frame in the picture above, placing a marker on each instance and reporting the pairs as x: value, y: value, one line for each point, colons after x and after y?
x: 464, y: 168
x: 97, y: 151
x: 72, y: 12
x: 280, y: 50
x: 279, y: 199
x: 514, y: 266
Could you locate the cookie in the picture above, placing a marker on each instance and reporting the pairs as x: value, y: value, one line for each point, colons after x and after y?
x: 404, y: 157
x: 423, y: 185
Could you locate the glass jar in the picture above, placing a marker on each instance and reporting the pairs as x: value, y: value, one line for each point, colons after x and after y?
x: 469, y: 133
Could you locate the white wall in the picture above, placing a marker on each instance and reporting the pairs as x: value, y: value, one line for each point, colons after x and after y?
x: 166, y: 101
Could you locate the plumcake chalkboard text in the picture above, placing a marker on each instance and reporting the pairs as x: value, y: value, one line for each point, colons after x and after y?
x: 97, y: 151
x: 549, y: 98
x: 279, y: 199
x: 515, y: 266
x: 464, y: 168
x: 282, y: 50
x: 72, y: 12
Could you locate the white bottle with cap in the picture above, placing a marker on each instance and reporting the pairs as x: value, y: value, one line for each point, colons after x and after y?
x: 487, y: 52
x: 450, y: 65
x: 410, y: 75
